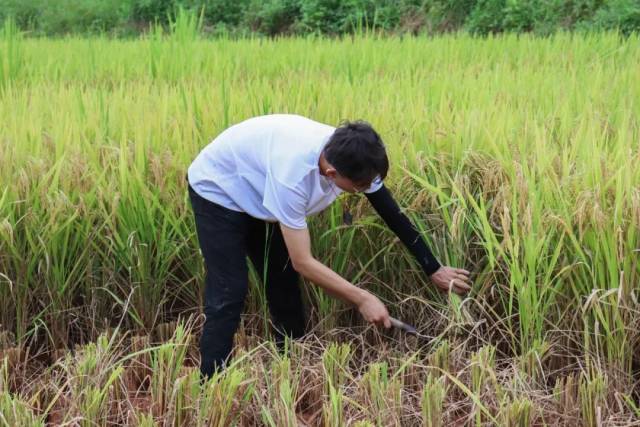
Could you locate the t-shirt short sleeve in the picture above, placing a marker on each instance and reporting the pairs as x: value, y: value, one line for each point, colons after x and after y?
x: 376, y: 184
x: 286, y: 204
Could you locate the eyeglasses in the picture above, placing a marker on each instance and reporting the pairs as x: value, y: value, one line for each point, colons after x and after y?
x: 357, y: 188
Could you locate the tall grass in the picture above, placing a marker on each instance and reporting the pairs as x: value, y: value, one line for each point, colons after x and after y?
x: 515, y: 156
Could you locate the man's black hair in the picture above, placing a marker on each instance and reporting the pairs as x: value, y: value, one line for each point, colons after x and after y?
x: 357, y: 152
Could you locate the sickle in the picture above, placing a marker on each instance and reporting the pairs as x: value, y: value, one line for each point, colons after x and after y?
x: 404, y: 326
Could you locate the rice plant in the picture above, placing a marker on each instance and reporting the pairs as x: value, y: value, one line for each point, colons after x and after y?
x: 14, y: 411
x: 515, y: 160
x: 516, y: 414
x: 432, y: 402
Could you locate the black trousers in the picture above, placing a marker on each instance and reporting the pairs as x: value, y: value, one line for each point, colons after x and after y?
x: 226, y: 238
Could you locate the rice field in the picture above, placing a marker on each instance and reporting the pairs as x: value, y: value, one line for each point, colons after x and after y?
x: 517, y: 157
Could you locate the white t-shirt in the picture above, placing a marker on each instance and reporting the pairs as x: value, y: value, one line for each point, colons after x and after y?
x: 267, y: 166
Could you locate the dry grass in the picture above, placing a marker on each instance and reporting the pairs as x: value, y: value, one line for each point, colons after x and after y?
x: 118, y: 381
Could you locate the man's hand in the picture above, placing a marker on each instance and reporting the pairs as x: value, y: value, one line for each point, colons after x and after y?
x: 374, y: 311
x: 452, y: 279
x: 299, y: 246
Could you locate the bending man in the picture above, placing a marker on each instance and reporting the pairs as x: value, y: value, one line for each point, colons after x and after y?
x: 252, y: 189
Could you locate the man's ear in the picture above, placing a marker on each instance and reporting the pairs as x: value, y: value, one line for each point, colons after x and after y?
x: 330, y: 172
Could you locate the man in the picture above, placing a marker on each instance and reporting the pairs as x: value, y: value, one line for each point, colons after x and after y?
x: 251, y: 190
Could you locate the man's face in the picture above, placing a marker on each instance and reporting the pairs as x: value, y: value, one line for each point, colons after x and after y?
x: 345, y: 184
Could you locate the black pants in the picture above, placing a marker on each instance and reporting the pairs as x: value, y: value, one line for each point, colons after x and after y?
x: 226, y: 237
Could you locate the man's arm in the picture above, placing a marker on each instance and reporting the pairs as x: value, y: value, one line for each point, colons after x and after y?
x: 446, y: 278
x: 298, y: 244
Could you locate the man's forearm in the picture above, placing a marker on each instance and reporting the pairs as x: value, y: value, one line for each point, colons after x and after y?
x: 331, y: 282
x: 390, y: 212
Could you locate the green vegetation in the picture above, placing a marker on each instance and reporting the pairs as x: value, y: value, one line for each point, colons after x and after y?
x: 514, y: 155
x: 273, y: 17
